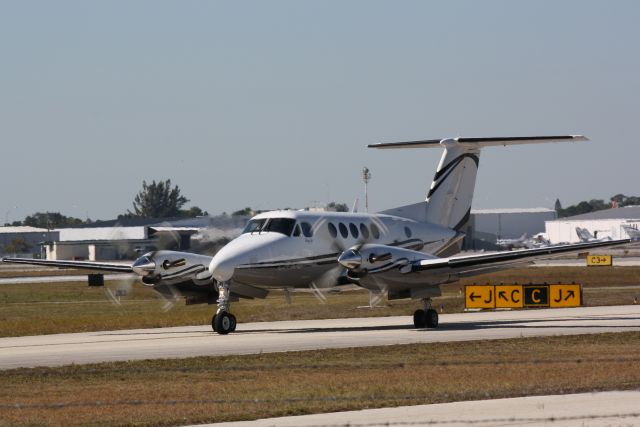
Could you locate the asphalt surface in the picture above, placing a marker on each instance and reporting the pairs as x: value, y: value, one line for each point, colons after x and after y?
x: 268, y: 337
x: 617, y: 408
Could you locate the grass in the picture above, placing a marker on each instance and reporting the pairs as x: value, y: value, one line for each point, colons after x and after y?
x: 211, y: 389
x: 33, y: 309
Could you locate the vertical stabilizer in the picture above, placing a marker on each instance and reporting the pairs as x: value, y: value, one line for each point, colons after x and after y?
x: 450, y: 195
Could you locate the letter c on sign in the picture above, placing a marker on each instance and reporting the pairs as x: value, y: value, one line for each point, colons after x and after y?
x: 535, y: 295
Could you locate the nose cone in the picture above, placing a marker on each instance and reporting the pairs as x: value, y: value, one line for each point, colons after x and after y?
x: 350, y: 259
x: 143, y: 266
x: 222, y: 268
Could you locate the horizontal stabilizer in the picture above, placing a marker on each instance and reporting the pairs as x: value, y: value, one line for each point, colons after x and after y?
x: 481, y: 142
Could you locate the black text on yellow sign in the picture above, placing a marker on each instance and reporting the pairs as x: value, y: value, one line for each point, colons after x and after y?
x: 509, y: 296
x: 523, y: 296
x: 565, y: 295
x: 599, y: 260
x: 479, y: 296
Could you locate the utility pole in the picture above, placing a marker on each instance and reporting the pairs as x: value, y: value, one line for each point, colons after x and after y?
x: 366, y: 177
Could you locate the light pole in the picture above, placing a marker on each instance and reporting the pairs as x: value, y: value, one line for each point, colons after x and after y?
x: 366, y: 177
x: 6, y: 216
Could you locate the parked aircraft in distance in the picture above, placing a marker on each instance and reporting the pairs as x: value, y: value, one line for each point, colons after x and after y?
x: 405, y: 252
x: 585, y: 236
x: 524, y: 242
x: 509, y: 244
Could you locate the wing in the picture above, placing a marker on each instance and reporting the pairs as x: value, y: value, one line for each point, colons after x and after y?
x: 472, y: 265
x: 88, y: 265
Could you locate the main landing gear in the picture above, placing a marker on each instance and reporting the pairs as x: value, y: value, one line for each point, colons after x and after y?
x: 223, y: 322
x: 427, y: 318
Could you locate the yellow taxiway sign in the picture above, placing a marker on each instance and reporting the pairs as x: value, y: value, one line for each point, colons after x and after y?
x: 523, y: 296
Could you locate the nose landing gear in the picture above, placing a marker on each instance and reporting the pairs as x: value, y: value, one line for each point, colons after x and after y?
x: 425, y: 318
x: 223, y: 322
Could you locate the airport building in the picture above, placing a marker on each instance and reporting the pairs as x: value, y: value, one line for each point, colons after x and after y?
x: 601, y: 224
x: 485, y: 226
x: 128, y: 238
x: 24, y: 241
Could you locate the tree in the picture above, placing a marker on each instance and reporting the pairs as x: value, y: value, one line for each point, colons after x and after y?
x: 338, y: 207
x: 243, y: 212
x: 158, y: 200
x: 50, y: 220
x: 192, y: 212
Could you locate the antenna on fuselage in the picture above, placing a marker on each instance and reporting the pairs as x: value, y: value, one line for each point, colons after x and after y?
x: 366, y: 177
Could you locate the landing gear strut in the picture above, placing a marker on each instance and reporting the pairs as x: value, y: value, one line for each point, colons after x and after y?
x: 223, y: 322
x: 426, y: 318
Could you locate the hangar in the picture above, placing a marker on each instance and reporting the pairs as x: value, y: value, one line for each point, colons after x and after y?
x: 485, y: 226
x: 24, y: 241
x: 127, y: 238
x: 602, y: 224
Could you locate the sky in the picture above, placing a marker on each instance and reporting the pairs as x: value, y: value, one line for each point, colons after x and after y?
x: 271, y: 104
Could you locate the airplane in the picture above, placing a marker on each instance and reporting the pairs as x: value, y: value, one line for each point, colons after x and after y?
x: 535, y: 241
x: 585, y: 235
x: 632, y: 231
x: 404, y: 252
x: 520, y: 242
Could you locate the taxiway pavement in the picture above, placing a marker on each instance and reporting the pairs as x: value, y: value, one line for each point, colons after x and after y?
x: 616, y: 408
x: 268, y: 337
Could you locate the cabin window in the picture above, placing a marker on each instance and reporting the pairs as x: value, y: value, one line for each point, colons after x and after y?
x: 280, y: 225
x: 343, y: 230
x: 364, y: 231
x: 332, y: 230
x: 254, y: 226
x: 354, y: 230
x: 407, y: 232
x: 375, y: 231
x: 307, y: 230
x: 296, y: 231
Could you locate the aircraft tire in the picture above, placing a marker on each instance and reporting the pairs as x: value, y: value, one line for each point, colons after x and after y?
x: 213, y: 323
x: 431, y: 318
x: 223, y: 323
x: 419, y: 319
x: 233, y: 323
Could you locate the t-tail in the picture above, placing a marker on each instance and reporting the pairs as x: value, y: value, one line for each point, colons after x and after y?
x: 449, y: 198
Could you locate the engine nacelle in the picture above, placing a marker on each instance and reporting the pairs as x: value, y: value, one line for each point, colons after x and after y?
x: 371, y: 258
x: 172, y: 267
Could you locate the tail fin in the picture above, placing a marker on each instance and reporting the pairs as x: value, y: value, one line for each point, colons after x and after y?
x: 584, y: 235
x: 449, y: 198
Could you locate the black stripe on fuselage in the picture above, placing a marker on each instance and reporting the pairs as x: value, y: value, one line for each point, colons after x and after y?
x: 324, y: 259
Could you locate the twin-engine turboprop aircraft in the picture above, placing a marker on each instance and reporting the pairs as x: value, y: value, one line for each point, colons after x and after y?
x: 404, y: 252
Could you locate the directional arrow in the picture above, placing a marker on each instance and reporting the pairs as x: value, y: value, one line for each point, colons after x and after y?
x: 473, y: 296
x: 570, y: 294
x: 503, y: 295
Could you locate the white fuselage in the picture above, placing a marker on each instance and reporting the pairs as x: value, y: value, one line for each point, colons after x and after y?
x: 297, y: 248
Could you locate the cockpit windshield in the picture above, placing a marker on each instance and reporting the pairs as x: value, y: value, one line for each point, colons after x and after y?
x: 254, y: 226
x: 280, y: 225
x: 277, y: 225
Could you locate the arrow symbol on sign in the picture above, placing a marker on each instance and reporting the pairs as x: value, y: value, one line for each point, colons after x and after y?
x: 473, y: 296
x: 570, y: 294
x: 502, y: 294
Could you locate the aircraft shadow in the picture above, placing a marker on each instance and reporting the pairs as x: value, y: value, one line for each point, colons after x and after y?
x: 456, y: 326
